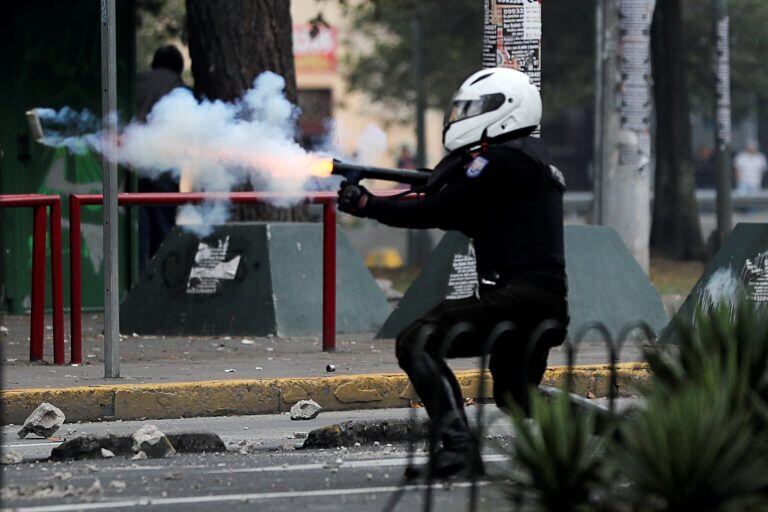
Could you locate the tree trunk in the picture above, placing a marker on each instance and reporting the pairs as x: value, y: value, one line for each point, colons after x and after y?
x: 231, y: 42
x: 676, y: 230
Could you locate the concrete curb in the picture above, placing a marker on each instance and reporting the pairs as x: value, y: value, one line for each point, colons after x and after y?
x: 270, y: 396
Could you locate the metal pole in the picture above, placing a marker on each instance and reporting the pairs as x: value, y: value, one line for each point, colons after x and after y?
x: 722, y: 119
x: 418, y: 73
x: 329, y: 276
x: 419, y: 244
x: 37, y: 315
x: 598, y: 160
x: 57, y: 283
x: 110, y: 186
x: 75, y: 283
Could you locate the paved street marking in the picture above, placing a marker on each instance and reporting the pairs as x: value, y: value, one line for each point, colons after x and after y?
x: 235, y: 497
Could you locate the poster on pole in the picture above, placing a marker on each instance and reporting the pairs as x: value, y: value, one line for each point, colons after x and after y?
x: 512, y: 37
x: 635, y: 17
x: 723, y: 83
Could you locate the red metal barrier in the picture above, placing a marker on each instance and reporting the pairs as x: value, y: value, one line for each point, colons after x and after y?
x: 327, y: 199
x: 39, y: 203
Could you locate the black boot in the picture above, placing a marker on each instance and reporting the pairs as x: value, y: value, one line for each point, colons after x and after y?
x: 451, y: 462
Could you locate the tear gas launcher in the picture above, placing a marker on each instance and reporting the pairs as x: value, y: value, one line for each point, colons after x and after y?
x: 354, y: 173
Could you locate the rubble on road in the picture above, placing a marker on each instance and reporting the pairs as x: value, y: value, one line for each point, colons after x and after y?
x: 196, y: 442
x: 305, y: 410
x: 89, y: 446
x: 358, y: 433
x: 107, y: 454
x: 10, y: 458
x: 153, y: 442
x: 44, y: 421
x: 139, y: 456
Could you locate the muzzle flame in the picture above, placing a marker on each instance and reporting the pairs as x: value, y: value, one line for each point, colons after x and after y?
x: 321, y: 167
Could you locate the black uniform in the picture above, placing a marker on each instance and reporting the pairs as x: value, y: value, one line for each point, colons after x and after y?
x: 509, y: 201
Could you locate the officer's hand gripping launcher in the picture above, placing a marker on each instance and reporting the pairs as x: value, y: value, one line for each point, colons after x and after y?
x: 355, y: 173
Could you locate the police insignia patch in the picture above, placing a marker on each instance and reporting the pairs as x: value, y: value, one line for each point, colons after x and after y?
x: 557, y: 174
x: 476, y: 167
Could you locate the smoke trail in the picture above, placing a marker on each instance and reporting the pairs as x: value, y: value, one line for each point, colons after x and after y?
x: 217, y: 145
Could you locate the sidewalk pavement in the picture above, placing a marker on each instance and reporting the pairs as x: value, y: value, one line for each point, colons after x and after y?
x: 166, y: 377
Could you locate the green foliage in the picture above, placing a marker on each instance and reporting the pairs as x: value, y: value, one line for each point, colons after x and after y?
x: 730, y: 338
x: 452, y: 48
x: 694, y: 450
x: 749, y: 74
x: 558, y: 457
x: 453, y: 32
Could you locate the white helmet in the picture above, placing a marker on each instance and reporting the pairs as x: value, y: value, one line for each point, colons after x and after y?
x: 491, y: 104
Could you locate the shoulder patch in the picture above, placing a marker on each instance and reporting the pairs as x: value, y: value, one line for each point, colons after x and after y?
x: 557, y: 175
x: 476, y: 167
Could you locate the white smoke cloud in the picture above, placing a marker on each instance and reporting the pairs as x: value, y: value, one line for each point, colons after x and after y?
x: 217, y: 145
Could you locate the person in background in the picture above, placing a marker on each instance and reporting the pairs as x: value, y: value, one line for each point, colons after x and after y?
x: 405, y: 159
x: 750, y: 166
x: 155, y: 222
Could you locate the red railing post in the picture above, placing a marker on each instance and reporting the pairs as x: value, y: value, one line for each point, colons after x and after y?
x: 329, y: 276
x: 37, y: 318
x: 75, y: 282
x: 57, y: 292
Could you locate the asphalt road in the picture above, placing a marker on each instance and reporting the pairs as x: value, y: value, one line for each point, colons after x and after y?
x: 275, y: 477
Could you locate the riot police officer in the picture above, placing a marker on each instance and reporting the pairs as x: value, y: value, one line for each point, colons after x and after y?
x: 499, y: 187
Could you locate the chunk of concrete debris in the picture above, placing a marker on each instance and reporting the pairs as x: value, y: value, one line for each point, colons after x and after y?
x: 44, y: 421
x: 139, y: 456
x: 305, y: 410
x: 117, y: 484
x: 95, y: 487
x: 153, y: 442
x: 10, y: 458
x: 107, y: 454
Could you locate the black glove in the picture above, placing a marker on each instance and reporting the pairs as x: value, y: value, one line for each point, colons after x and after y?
x: 354, y: 199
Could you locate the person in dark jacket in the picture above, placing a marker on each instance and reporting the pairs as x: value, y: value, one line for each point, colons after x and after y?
x: 499, y: 187
x: 155, y: 222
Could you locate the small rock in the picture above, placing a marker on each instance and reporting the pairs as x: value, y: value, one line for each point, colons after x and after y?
x: 230, y: 370
x: 305, y: 410
x: 591, y: 395
x: 139, y: 456
x: 358, y: 445
x: 71, y: 431
x: 117, y: 484
x: 107, y: 454
x: 91, y: 468
x: 10, y: 458
x: 246, y: 341
x: 95, y: 488
x: 330, y: 368
x: 153, y: 442
x: 44, y: 421
x: 369, y: 476
x: 258, y: 368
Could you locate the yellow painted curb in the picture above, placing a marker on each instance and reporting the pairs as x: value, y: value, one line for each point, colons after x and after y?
x: 269, y: 396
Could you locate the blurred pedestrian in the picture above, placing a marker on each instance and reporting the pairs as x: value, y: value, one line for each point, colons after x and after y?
x: 405, y: 159
x: 155, y: 222
x: 750, y: 166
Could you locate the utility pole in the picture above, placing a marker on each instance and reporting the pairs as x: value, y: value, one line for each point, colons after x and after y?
x: 622, y: 124
x: 109, y: 191
x: 419, y: 241
x: 721, y: 31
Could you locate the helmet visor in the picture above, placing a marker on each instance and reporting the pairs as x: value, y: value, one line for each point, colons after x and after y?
x: 464, y: 109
